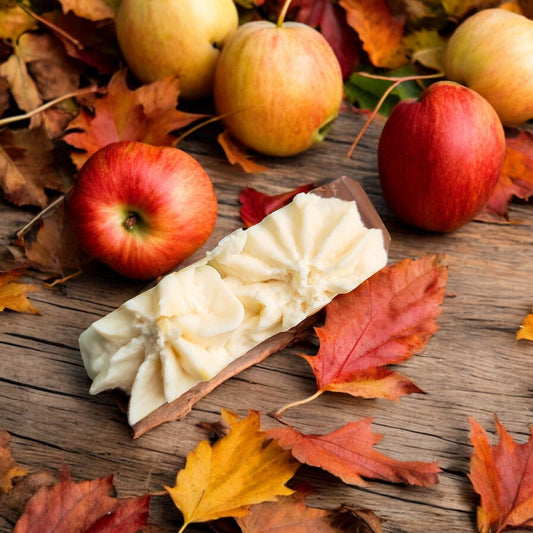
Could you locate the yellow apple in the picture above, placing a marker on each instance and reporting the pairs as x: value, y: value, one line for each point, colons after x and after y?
x: 161, y: 38
x: 491, y: 52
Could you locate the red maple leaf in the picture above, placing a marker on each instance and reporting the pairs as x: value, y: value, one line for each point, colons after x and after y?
x: 86, y: 506
x: 257, y: 205
x: 383, y: 321
x: 503, y: 477
x: 349, y: 454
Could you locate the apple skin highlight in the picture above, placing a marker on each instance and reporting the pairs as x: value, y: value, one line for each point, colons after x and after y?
x: 440, y: 157
x: 141, y: 209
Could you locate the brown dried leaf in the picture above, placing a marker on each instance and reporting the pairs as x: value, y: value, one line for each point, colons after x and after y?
x: 237, y: 154
x: 14, y: 21
x: 27, y: 166
x: 95, y: 10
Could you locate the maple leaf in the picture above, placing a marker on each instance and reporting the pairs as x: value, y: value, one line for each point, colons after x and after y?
x: 516, y: 178
x: 236, y: 153
x: 526, y: 329
x: 380, y: 31
x: 257, y: 205
x: 349, y: 454
x: 383, y: 321
x: 13, y: 293
x: 86, y: 506
x: 241, y: 469
x: 9, y: 469
x: 147, y: 114
x: 290, y: 514
x: 503, y: 477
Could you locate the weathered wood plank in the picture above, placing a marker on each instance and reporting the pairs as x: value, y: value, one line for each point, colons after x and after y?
x: 472, y: 366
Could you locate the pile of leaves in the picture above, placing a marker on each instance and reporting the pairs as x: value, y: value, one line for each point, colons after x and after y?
x: 65, y: 92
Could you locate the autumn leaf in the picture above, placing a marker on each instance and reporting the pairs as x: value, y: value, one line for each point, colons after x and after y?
x: 241, y: 469
x: 380, y: 31
x: 86, y: 506
x: 526, y: 329
x: 237, y: 154
x: 384, y: 321
x: 460, y: 8
x: 257, y: 205
x: 516, y: 179
x: 54, y: 249
x: 13, y: 293
x: 349, y: 454
x: 14, y: 21
x: 147, y: 114
x: 291, y: 514
x: 95, y: 10
x: 502, y: 475
x: 9, y: 469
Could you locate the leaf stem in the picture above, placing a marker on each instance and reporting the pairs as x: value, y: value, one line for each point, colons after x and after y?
x: 299, y: 402
x: 51, y: 103
x: 397, y: 81
x: 283, y: 13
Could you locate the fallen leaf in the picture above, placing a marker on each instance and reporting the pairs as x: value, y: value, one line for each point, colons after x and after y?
x: 86, y: 506
x: 380, y: 31
x: 427, y: 48
x: 13, y: 293
x: 9, y: 469
x: 27, y: 166
x: 384, y: 321
x: 257, y: 205
x: 237, y: 154
x: 95, y: 10
x: 14, y: 21
x: 460, y: 8
x: 526, y: 329
x: 54, y: 249
x: 241, y: 469
x: 146, y: 114
x: 516, y: 179
x: 349, y: 454
x: 290, y: 514
x: 502, y: 475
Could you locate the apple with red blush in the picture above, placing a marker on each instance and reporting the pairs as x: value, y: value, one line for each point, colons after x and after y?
x: 141, y: 209
x: 440, y: 157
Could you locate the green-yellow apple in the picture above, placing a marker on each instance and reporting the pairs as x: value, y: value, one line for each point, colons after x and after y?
x: 440, y: 157
x: 141, y: 209
x: 161, y: 38
x: 278, y: 87
x: 492, y: 53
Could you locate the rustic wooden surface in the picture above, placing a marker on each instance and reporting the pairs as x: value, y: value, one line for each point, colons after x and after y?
x: 472, y: 367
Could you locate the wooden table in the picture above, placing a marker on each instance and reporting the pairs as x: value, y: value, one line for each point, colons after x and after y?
x: 472, y: 367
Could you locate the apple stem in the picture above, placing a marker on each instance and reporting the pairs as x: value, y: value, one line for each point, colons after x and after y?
x: 397, y: 81
x: 283, y: 13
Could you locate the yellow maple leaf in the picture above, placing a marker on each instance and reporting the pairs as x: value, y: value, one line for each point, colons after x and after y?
x: 243, y: 468
x: 13, y: 294
x: 526, y: 329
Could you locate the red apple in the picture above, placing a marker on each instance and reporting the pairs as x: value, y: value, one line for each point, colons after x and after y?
x: 278, y: 87
x: 440, y: 157
x: 141, y: 209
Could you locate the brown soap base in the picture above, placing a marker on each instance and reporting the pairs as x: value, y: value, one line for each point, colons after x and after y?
x: 343, y: 188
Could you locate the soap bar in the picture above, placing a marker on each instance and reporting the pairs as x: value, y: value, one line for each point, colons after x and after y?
x: 256, y: 283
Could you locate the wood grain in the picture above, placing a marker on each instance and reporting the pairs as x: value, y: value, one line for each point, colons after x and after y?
x: 472, y: 367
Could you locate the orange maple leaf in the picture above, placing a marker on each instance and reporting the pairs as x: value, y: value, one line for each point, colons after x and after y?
x: 13, y: 293
x: 383, y: 321
x: 349, y: 454
x: 236, y: 153
x: 147, y: 114
x: 503, y: 477
x: 9, y: 469
x: 379, y: 30
x: 84, y: 506
x: 257, y: 205
x: 516, y: 178
x: 526, y: 329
